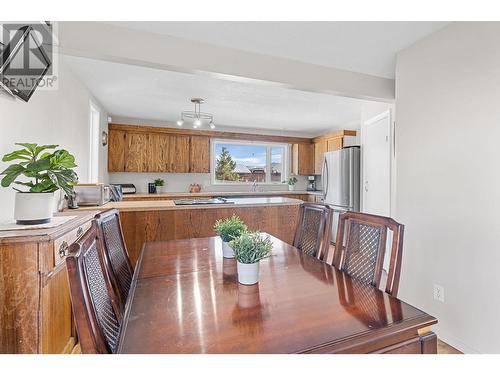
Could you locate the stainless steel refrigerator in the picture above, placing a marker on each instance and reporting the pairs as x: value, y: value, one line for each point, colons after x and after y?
x: 340, y: 180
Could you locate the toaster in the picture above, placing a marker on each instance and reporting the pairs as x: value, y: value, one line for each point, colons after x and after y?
x: 92, y: 194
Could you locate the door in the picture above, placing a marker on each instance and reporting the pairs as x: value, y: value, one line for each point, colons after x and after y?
x: 377, y: 165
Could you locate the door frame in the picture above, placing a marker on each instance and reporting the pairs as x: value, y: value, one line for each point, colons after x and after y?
x: 391, y: 162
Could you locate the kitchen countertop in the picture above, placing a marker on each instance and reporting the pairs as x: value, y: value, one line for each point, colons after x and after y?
x: 160, y: 205
x: 221, y: 193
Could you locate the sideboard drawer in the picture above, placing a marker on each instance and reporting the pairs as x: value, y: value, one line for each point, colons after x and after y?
x: 62, y: 244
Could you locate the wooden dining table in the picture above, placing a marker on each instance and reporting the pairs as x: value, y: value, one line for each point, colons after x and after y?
x: 185, y: 298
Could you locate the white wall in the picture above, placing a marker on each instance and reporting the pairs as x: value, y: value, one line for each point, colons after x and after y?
x: 448, y: 178
x: 50, y: 117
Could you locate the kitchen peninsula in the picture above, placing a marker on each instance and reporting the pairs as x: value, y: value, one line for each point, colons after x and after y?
x: 159, y: 220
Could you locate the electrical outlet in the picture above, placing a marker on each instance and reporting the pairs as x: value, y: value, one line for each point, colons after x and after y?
x: 438, y: 293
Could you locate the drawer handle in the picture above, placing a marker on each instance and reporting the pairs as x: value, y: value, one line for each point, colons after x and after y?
x: 63, y: 249
x: 79, y: 232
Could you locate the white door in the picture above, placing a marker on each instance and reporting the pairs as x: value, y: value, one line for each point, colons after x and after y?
x: 376, y: 182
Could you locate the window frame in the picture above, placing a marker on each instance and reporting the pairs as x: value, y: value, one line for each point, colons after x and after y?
x: 285, y: 170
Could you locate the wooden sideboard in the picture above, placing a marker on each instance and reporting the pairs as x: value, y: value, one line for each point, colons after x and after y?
x: 35, y: 305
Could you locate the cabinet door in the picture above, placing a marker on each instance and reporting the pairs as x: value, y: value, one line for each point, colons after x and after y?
x: 136, y: 156
x: 200, y: 155
x: 158, y: 153
x: 179, y: 154
x: 303, y: 159
x: 319, y: 152
x: 117, y: 146
x: 334, y: 144
x: 57, y: 333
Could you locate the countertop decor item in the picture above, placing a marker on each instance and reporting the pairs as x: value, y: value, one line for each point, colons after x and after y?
x: 159, y: 183
x: 194, y: 188
x: 292, y: 180
x: 229, y: 229
x: 249, y: 249
x: 46, y: 172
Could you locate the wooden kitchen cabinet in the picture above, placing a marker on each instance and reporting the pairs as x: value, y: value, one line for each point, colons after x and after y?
x: 179, y: 154
x: 158, y: 156
x: 303, y: 159
x: 117, y: 148
x: 136, y: 151
x: 35, y: 304
x: 334, y: 144
x: 199, y: 155
x: 319, y: 150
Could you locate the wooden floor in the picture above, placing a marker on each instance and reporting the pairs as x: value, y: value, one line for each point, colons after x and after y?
x: 444, y: 348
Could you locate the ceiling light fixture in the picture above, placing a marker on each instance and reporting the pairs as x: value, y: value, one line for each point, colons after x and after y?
x: 197, y: 116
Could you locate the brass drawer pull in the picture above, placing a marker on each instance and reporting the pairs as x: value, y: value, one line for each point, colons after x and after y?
x: 63, y: 249
x: 79, y: 232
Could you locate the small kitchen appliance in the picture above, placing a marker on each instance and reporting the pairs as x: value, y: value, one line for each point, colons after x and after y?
x: 311, y: 183
x: 92, y: 194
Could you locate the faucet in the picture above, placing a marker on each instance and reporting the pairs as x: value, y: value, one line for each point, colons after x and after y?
x: 254, y: 186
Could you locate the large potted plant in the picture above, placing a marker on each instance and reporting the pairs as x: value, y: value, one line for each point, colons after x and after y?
x: 44, y: 173
x: 249, y: 249
x: 229, y: 229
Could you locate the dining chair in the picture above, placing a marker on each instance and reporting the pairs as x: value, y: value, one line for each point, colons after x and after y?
x: 361, y: 246
x: 115, y: 253
x: 95, y: 305
x: 312, y: 235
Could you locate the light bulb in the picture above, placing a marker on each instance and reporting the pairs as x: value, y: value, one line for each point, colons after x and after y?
x: 196, y: 123
x: 180, y: 122
x: 212, y: 125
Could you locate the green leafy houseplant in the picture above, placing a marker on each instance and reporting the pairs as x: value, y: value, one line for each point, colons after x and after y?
x: 251, y: 247
x: 292, y: 180
x: 47, y: 171
x: 230, y: 228
x: 159, y: 182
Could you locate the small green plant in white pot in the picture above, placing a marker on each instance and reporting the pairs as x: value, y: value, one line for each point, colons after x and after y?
x: 292, y: 180
x: 229, y: 229
x: 249, y: 249
x: 159, y: 183
x: 44, y: 173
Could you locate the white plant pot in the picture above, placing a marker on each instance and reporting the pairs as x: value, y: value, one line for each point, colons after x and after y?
x: 33, y: 208
x: 291, y: 187
x: 160, y: 189
x: 227, y: 251
x: 248, y: 274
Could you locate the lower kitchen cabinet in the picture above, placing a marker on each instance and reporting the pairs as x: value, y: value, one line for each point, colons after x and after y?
x: 35, y: 304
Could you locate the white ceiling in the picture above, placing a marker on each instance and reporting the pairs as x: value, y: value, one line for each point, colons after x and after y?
x: 364, y: 47
x: 151, y: 94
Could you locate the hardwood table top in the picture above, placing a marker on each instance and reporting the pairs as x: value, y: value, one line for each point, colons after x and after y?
x: 185, y: 298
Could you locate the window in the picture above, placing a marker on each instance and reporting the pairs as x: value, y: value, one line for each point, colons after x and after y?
x: 248, y: 162
x: 94, y: 144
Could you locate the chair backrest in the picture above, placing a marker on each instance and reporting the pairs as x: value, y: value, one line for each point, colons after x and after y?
x: 95, y: 305
x: 115, y: 253
x: 312, y: 235
x: 361, y: 245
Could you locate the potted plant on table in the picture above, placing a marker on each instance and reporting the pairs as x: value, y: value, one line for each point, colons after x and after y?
x: 46, y: 173
x: 292, y: 180
x: 159, y: 183
x: 229, y: 229
x: 249, y: 249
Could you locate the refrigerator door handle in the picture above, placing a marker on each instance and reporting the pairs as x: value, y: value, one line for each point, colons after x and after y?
x: 324, y: 179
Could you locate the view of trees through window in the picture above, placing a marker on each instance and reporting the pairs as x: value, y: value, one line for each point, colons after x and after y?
x: 249, y: 163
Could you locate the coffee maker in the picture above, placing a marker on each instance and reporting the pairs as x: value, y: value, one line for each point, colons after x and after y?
x: 311, y: 183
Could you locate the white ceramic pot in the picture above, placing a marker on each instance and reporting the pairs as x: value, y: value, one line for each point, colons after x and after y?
x: 248, y: 274
x: 33, y: 208
x: 291, y: 187
x: 227, y: 251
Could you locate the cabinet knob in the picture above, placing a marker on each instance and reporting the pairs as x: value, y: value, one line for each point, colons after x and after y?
x: 63, y: 249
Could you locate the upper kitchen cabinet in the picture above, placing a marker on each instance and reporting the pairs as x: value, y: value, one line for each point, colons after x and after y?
x: 200, y: 155
x: 132, y: 149
x: 326, y: 143
x: 303, y: 158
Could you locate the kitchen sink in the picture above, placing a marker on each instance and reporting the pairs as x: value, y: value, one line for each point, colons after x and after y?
x: 190, y: 202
